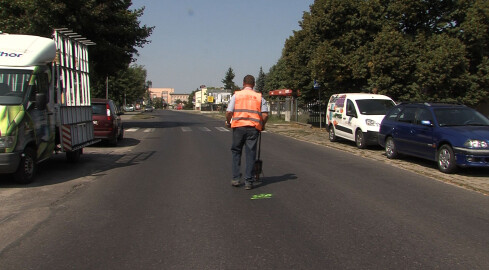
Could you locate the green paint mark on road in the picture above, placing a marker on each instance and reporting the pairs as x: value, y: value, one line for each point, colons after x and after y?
x: 261, y: 196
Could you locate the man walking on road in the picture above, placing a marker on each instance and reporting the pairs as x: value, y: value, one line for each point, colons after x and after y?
x: 246, y: 114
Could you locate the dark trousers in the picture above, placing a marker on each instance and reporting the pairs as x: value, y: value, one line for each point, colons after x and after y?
x: 248, y: 137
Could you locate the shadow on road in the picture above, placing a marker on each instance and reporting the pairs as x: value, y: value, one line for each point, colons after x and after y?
x: 275, y: 179
x: 58, y: 170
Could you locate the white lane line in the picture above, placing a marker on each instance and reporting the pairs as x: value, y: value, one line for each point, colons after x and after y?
x: 204, y: 129
x: 185, y: 129
x: 132, y: 129
x: 222, y: 129
x: 149, y: 130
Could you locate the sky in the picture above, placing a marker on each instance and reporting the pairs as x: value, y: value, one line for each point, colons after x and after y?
x: 195, y: 42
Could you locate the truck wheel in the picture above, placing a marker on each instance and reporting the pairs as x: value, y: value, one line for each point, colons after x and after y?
x: 445, y: 159
x: 332, y: 135
x: 390, y: 148
x: 73, y: 156
x: 27, y: 167
x: 360, y: 139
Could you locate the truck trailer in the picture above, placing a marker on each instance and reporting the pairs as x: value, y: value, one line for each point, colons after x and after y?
x: 44, y: 100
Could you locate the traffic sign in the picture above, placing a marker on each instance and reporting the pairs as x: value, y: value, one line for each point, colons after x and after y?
x: 316, y: 85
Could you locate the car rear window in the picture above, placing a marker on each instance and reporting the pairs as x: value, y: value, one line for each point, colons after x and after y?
x: 99, y: 109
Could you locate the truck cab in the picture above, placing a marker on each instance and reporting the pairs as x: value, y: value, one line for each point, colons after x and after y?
x: 41, y: 94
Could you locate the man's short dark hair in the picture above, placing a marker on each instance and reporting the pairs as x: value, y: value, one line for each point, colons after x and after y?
x: 249, y: 79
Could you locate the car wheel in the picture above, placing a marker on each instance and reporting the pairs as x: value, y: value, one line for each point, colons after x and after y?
x: 360, y: 139
x: 27, y: 167
x: 446, y: 159
x: 113, y: 141
x: 390, y: 148
x: 332, y: 135
x: 121, y: 134
x: 73, y: 156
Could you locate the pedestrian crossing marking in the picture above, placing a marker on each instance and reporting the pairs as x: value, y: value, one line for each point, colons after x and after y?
x: 184, y: 129
x: 222, y: 129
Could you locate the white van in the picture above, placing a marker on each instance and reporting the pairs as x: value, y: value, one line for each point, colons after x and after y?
x: 356, y: 117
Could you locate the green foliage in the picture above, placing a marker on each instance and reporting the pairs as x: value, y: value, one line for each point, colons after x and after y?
x: 228, y: 80
x: 112, y: 25
x: 433, y: 50
x: 130, y: 83
x: 260, y: 81
x: 190, y: 102
x: 276, y: 78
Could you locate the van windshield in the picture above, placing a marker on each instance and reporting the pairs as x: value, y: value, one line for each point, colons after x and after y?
x: 374, y: 106
x: 13, y: 85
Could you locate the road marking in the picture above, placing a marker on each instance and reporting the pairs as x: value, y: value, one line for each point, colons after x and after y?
x: 261, y: 196
x: 185, y: 129
x: 222, y: 129
x: 149, y: 130
x: 204, y: 129
x: 132, y: 129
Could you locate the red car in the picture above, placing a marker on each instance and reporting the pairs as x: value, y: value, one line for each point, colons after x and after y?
x: 107, y: 123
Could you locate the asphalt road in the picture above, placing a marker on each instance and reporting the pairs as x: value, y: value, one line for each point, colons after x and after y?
x: 163, y: 200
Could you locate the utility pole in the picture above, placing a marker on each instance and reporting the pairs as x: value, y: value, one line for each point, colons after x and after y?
x: 317, y: 86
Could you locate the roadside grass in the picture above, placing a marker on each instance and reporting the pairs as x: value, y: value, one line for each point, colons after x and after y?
x: 275, y: 119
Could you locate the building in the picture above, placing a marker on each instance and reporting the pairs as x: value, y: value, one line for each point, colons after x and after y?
x: 175, y: 97
x: 220, y: 96
x: 163, y: 93
x: 212, y: 99
x: 200, y: 98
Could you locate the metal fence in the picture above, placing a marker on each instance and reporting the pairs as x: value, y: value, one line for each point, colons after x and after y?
x: 291, y: 110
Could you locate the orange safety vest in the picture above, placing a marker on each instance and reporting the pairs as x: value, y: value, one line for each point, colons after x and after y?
x: 247, y: 109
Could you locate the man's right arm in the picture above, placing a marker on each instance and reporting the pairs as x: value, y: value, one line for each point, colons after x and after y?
x: 230, y: 111
x: 229, y: 116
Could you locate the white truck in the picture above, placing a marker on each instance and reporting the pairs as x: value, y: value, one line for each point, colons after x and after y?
x: 44, y: 100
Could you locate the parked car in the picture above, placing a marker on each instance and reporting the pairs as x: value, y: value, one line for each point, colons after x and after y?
x: 450, y: 134
x: 356, y: 117
x: 148, y: 108
x: 107, y: 123
x: 129, y: 108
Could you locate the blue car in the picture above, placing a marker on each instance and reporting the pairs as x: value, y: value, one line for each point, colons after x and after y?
x: 453, y: 135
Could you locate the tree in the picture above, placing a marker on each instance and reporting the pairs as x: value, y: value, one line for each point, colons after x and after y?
x: 157, y: 102
x: 228, y: 80
x: 433, y: 50
x: 190, y: 103
x: 112, y: 25
x: 129, y: 83
x: 276, y: 78
x: 260, y: 81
